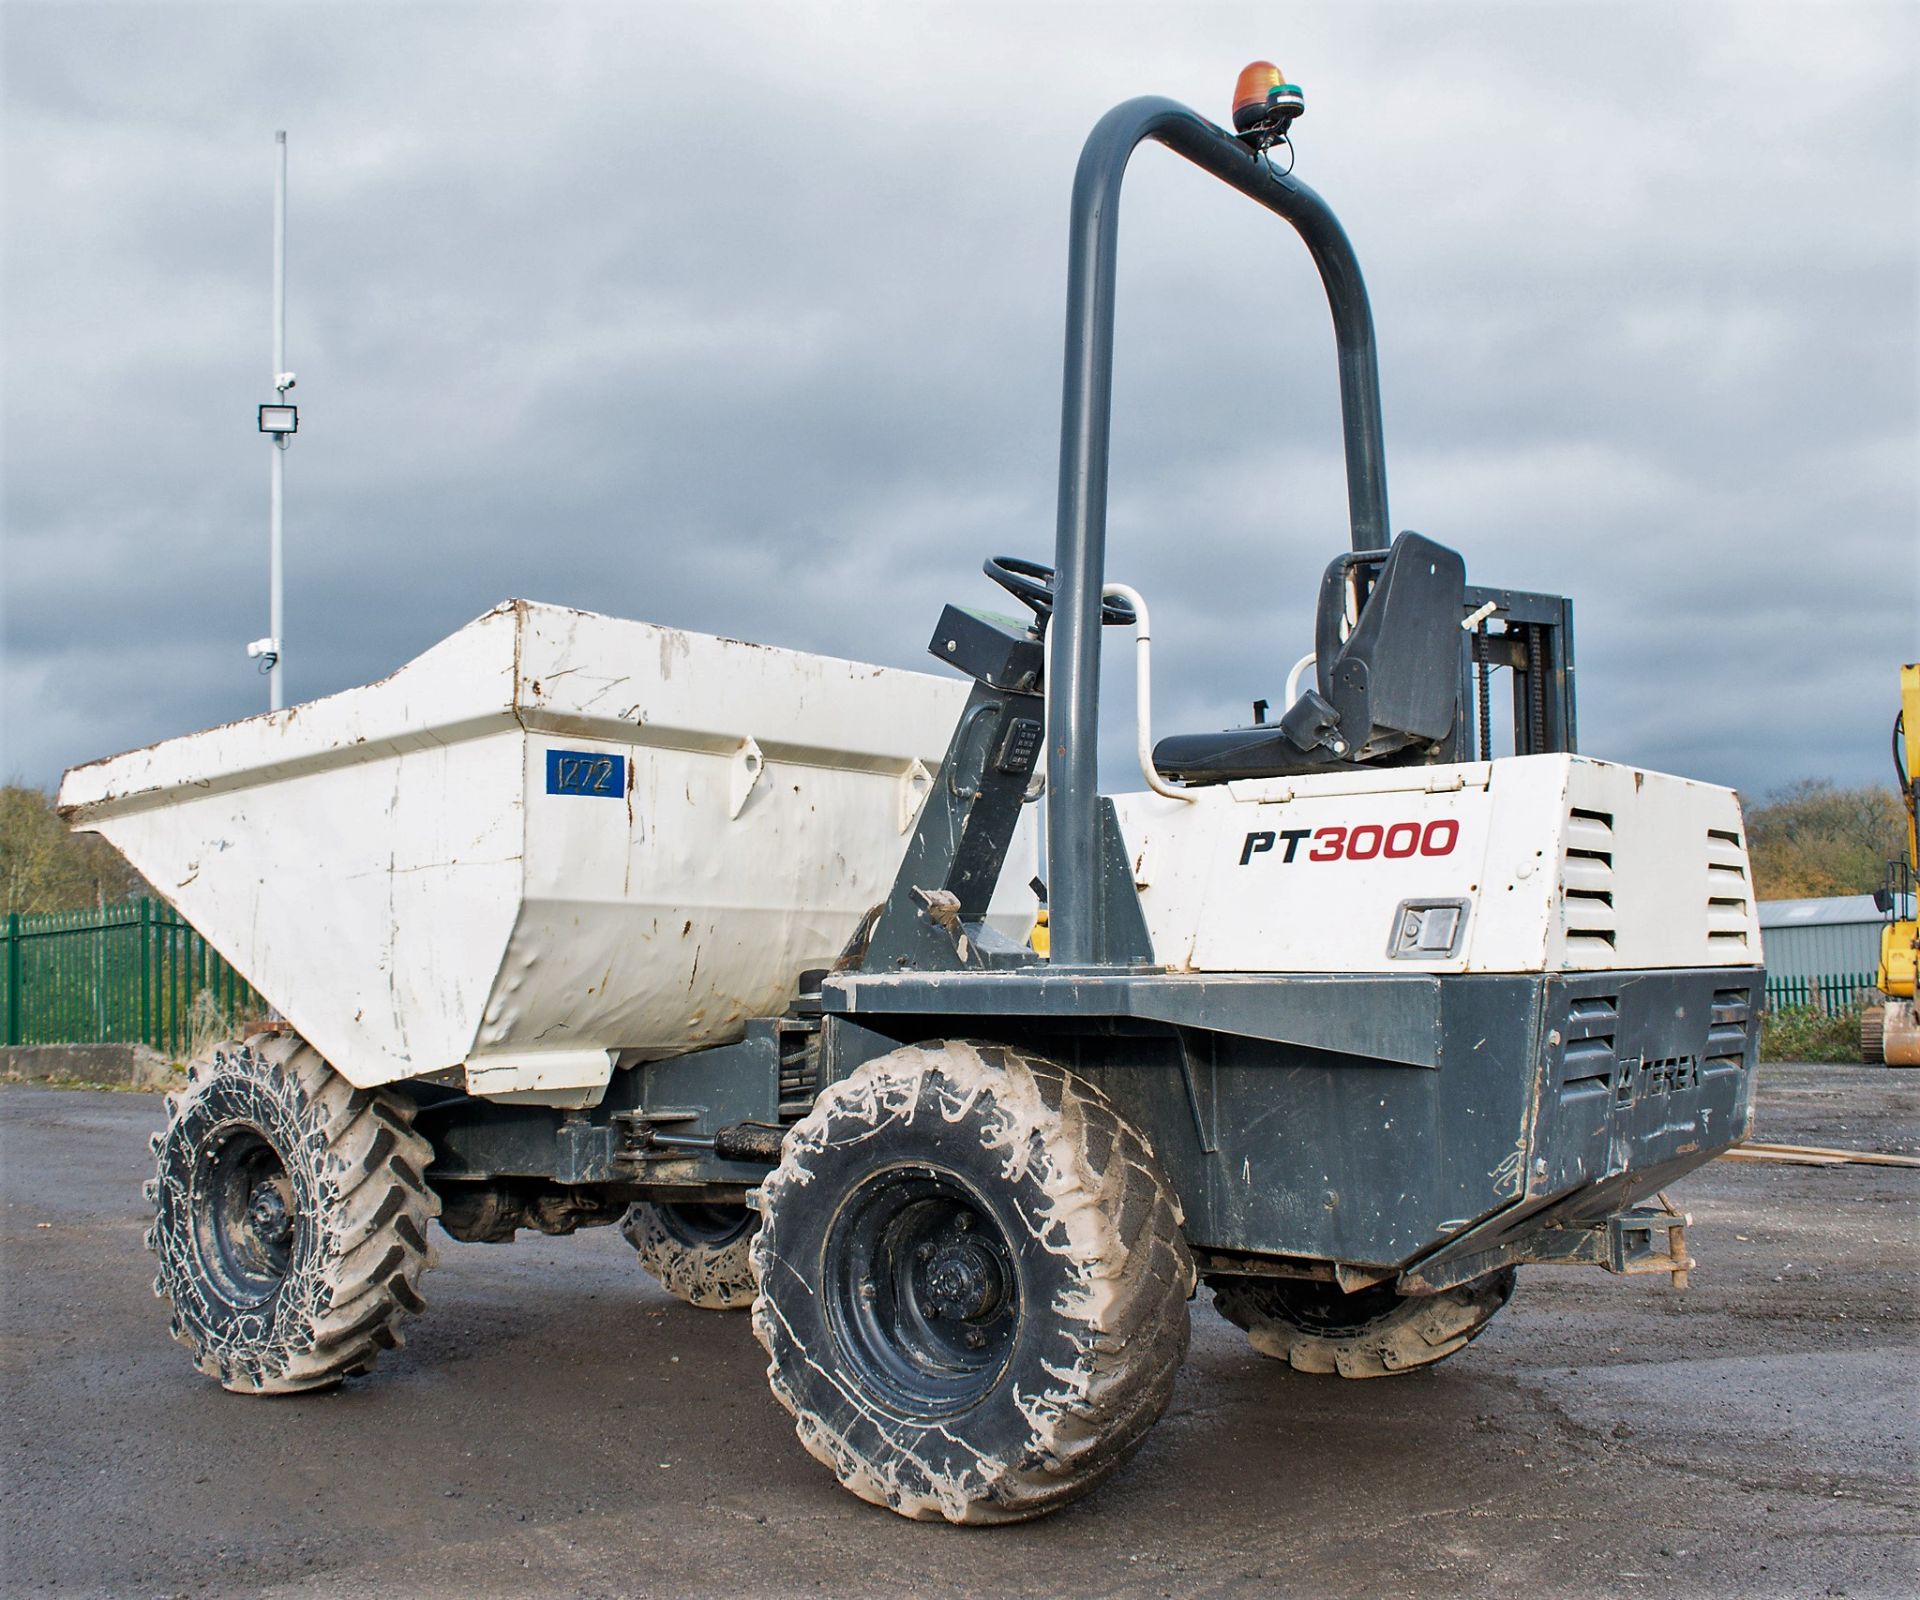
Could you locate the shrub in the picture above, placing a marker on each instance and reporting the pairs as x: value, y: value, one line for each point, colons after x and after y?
x: 1810, y: 1033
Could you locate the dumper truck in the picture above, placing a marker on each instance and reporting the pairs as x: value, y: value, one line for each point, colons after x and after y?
x: 1346, y: 1014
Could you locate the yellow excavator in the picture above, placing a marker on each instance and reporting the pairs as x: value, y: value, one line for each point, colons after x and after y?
x: 1889, y: 1027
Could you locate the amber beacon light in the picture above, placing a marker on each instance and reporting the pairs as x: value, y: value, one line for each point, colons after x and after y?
x: 1265, y: 104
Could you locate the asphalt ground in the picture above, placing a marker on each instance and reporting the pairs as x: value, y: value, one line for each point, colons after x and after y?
x: 556, y: 1425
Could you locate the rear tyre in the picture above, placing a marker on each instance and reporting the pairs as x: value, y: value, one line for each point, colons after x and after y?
x: 290, y: 1218
x: 1370, y: 1333
x: 699, y: 1253
x: 973, y: 1285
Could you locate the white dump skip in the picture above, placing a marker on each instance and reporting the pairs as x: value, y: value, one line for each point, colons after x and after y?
x: 551, y: 838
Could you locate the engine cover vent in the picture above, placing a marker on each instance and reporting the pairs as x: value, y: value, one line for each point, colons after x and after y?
x: 1729, y: 896
x: 1728, y: 1030
x: 1586, y: 879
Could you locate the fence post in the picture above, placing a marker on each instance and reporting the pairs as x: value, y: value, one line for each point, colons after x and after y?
x: 145, y: 926
x: 170, y: 943
x: 99, y: 969
x: 13, y: 977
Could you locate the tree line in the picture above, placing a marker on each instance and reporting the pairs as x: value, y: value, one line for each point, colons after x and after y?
x: 1814, y: 838
x: 45, y: 867
x: 1807, y: 840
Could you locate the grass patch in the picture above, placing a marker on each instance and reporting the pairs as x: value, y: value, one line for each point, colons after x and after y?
x: 1809, y: 1033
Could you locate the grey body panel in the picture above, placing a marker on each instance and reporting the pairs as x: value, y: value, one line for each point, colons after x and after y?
x: 1391, y: 1019
x: 1371, y: 1120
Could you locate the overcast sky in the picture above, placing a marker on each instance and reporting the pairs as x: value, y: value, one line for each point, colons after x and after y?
x: 748, y: 319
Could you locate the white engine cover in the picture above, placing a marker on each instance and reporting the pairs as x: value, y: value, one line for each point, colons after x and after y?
x: 1552, y: 864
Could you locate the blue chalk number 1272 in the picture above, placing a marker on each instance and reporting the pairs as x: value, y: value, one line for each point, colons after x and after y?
x: 586, y: 772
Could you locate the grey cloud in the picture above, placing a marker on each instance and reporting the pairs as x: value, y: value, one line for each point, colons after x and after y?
x: 748, y: 319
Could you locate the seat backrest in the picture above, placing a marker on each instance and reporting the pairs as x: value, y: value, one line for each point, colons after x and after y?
x: 1396, y: 678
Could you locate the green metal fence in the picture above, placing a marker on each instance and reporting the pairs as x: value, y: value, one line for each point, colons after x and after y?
x: 1833, y: 992
x: 127, y: 973
x: 132, y: 972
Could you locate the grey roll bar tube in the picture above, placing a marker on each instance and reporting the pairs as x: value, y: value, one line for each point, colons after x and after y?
x: 1073, y: 684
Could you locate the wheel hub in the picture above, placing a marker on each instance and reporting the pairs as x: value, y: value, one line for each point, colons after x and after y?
x: 963, y: 1283
x: 922, y: 1289
x: 269, y: 1216
x: 244, y: 1216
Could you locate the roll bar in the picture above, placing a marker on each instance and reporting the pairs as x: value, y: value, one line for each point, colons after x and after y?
x: 1073, y: 685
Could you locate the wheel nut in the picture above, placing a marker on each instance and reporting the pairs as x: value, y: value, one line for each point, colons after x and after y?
x: 975, y: 1338
x: 924, y: 1253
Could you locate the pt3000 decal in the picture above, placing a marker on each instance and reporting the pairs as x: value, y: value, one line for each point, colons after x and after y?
x: 1391, y: 841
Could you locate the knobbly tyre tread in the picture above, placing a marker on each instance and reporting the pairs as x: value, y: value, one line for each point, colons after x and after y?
x: 1873, y: 1034
x: 1416, y: 1332
x: 1118, y: 1320
x: 358, y: 1172
x: 713, y: 1277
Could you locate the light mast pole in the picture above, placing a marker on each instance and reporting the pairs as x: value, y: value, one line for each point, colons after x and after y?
x: 282, y: 381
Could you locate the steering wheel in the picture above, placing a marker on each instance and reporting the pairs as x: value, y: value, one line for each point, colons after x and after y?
x: 1031, y: 583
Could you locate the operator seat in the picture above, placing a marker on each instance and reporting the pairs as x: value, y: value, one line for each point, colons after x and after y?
x: 1390, y: 692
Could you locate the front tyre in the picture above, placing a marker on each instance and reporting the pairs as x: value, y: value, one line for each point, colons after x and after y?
x: 290, y: 1217
x: 972, y: 1284
x: 699, y: 1253
x: 1367, y: 1334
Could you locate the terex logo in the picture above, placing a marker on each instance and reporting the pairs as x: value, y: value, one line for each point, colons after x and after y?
x: 1394, y: 840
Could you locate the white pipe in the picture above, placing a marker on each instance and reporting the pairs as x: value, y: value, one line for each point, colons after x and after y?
x: 1143, y: 691
x: 1293, y: 680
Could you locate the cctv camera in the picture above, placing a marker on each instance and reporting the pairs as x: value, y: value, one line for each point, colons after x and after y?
x: 284, y: 382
